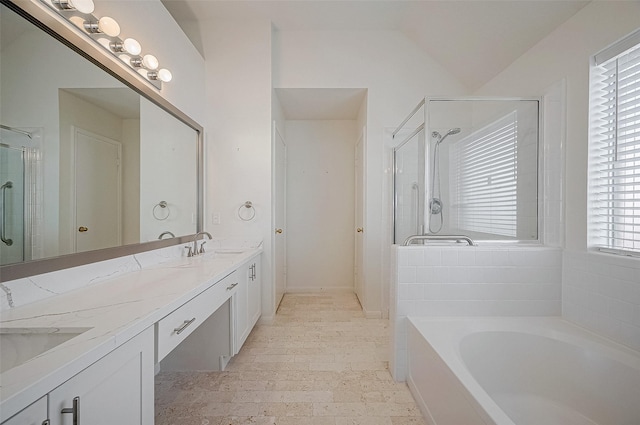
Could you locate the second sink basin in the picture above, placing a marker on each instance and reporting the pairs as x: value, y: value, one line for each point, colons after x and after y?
x: 18, y: 345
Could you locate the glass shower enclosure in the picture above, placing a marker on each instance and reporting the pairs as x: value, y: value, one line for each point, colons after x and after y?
x: 468, y: 166
x: 18, y: 171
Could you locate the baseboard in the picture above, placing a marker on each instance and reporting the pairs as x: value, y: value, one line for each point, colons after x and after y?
x: 372, y: 314
x: 333, y: 290
x: 266, y: 320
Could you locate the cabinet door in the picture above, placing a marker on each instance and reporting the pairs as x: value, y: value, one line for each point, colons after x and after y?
x: 240, y: 309
x: 117, y: 389
x: 255, y: 293
x: 35, y: 414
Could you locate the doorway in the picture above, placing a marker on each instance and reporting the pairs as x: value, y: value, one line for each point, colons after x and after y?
x: 324, y: 185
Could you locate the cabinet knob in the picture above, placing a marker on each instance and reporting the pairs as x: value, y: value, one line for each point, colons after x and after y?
x: 278, y: 231
x: 359, y: 230
x: 82, y: 229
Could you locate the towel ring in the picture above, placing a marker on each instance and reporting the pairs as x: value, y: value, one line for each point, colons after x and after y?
x: 156, y: 211
x: 247, y: 216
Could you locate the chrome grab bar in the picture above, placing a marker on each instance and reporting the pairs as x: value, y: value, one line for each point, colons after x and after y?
x: 452, y: 238
x: 3, y: 237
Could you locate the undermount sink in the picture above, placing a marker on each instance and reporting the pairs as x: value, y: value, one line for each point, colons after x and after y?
x: 19, y: 345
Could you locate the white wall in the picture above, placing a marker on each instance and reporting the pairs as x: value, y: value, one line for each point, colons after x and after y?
x: 320, y: 205
x: 238, y: 154
x: 601, y: 296
x: 397, y: 75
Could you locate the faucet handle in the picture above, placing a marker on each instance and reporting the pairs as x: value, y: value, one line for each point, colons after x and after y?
x: 201, y: 250
x: 190, y: 252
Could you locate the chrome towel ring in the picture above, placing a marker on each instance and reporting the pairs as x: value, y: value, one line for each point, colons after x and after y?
x: 246, y: 212
x: 158, y: 209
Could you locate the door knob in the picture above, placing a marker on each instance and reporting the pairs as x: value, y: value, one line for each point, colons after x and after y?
x: 82, y: 229
x: 359, y: 230
x: 278, y: 231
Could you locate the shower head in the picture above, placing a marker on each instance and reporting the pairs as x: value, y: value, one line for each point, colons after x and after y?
x: 441, y: 138
x: 453, y: 131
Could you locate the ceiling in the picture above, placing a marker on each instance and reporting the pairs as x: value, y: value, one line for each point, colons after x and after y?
x: 472, y: 39
x: 321, y: 104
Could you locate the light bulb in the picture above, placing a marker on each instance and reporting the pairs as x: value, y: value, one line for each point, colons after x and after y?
x: 150, y: 62
x: 164, y: 75
x: 109, y: 26
x: 82, y: 6
x: 132, y: 46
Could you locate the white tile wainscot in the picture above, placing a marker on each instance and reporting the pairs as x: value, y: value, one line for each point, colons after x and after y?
x: 434, y: 281
x: 602, y: 292
x: 109, y: 314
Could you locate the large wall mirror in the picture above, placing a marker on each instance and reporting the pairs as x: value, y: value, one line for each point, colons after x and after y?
x: 91, y: 166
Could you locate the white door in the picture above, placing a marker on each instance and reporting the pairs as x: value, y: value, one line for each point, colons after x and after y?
x: 96, y: 191
x: 280, y: 202
x: 359, y: 218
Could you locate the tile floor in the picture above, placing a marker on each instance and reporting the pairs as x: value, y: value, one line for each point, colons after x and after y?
x: 320, y: 362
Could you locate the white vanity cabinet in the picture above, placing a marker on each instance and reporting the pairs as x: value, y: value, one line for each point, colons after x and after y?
x: 35, y: 414
x: 247, y: 302
x: 117, y: 389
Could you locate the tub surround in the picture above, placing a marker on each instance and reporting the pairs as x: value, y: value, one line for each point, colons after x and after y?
x: 519, y: 370
x: 470, y: 281
x: 602, y: 292
x: 115, y: 300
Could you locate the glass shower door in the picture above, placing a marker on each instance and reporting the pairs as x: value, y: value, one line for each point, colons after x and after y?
x: 409, y: 187
x: 12, y: 226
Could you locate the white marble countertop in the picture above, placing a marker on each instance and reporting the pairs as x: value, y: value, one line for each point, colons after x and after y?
x: 115, y: 310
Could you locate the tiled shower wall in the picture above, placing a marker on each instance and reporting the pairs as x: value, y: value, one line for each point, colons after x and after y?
x: 602, y: 292
x: 470, y: 281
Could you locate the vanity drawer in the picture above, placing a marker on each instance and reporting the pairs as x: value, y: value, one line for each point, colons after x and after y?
x: 174, y: 328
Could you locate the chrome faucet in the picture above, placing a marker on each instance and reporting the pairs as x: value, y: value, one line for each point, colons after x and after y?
x: 197, y: 251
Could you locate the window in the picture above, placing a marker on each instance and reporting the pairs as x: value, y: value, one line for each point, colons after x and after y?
x: 614, y: 144
x: 485, y: 178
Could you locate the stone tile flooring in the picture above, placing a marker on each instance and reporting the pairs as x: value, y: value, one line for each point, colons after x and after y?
x: 320, y: 362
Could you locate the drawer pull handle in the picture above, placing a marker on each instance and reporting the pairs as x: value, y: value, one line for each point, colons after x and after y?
x: 184, y: 326
x: 230, y: 287
x: 75, y: 411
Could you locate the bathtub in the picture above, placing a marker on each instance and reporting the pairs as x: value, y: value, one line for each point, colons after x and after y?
x: 523, y: 371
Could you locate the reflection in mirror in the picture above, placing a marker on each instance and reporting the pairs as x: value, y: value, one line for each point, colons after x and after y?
x: 84, y: 159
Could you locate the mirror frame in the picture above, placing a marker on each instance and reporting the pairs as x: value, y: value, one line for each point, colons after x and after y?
x: 63, y: 31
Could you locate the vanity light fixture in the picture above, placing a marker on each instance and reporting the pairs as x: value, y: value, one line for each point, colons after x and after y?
x: 129, y: 45
x: 163, y: 75
x: 105, y: 25
x: 127, y: 50
x: 82, y: 6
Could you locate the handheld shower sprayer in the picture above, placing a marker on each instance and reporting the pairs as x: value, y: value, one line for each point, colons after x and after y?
x: 435, y: 203
x: 437, y: 135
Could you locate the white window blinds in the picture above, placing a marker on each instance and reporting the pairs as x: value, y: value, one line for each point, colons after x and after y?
x: 484, y: 186
x: 614, y: 166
